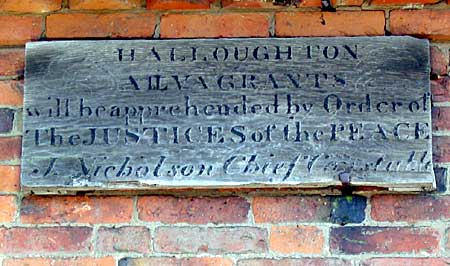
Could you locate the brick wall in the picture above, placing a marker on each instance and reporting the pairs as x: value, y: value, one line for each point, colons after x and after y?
x: 222, y: 228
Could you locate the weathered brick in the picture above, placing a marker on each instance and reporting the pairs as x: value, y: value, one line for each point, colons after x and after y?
x: 10, y: 148
x: 16, y: 30
x: 348, y: 209
x: 35, y: 6
x: 441, y: 149
x: 406, y: 262
x: 215, y: 25
x: 296, y: 239
x: 385, y: 240
x: 439, y: 61
x: 440, y: 89
x: 194, y: 210
x: 410, y: 208
x: 339, y: 23
x: 104, y: 4
x: 28, y: 241
x: 9, y: 178
x: 440, y: 118
x: 133, y: 25
x: 8, y: 209
x: 12, y: 62
x: 107, y: 261
x: 6, y: 119
x: 222, y: 240
x: 178, y: 4
x: 267, y: 4
x: 402, y: 2
x: 291, y: 209
x: 342, y: 3
x: 294, y: 262
x: 447, y: 236
x: 422, y: 23
x: 76, y: 209
x: 250, y: 4
x: 123, y: 239
x: 175, y: 262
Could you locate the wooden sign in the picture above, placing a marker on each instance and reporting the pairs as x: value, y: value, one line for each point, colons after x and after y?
x: 300, y: 112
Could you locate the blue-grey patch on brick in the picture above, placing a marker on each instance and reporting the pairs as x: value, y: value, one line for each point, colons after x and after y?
x: 441, y: 179
x: 125, y: 262
x: 348, y: 209
x: 6, y: 120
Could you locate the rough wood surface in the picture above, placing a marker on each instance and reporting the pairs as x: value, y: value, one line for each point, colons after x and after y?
x: 303, y: 112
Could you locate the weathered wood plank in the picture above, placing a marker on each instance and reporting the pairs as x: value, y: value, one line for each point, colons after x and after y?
x: 303, y: 112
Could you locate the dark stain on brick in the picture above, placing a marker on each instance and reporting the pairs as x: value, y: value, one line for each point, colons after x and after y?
x: 348, y: 209
x: 441, y: 179
x: 6, y: 120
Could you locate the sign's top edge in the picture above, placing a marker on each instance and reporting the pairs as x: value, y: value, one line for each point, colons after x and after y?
x: 38, y: 43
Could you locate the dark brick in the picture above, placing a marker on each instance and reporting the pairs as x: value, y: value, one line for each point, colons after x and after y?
x: 384, y: 240
x: 6, y: 120
x: 348, y: 209
x: 441, y: 179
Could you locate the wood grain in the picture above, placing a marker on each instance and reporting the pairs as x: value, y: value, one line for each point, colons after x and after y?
x: 298, y: 112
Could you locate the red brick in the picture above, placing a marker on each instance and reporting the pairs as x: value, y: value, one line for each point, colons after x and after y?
x: 27, y: 241
x: 439, y: 61
x: 9, y: 178
x: 133, y: 25
x: 11, y: 93
x: 310, y: 3
x: 215, y: 25
x: 296, y: 239
x: 341, y: 23
x: 16, y: 30
x: 440, y: 118
x: 421, y: 23
x: 410, y: 208
x: 291, y: 209
x: 178, y: 4
x: 12, y: 62
x: 401, y: 2
x: 76, y: 209
x: 385, y: 240
x: 123, y: 239
x: 176, y: 262
x: 407, y: 262
x: 441, y: 149
x: 441, y: 89
x: 294, y: 262
x: 195, y: 210
x: 107, y: 261
x: 8, y: 209
x: 222, y: 240
x: 104, y: 4
x: 30, y: 5
x: 10, y: 148
x: 266, y: 4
